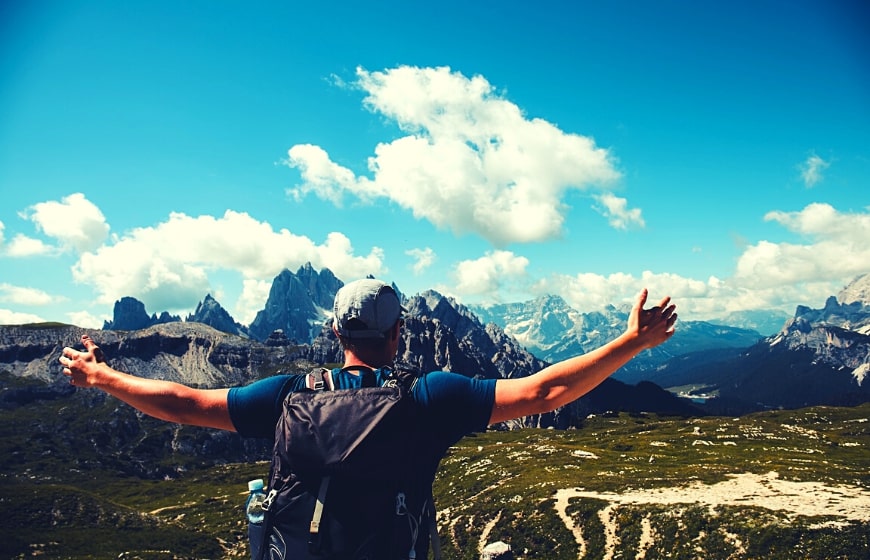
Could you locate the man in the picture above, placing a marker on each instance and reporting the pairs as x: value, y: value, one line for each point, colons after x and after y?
x: 368, y: 321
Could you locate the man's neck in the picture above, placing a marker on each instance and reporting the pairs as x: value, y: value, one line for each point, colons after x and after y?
x: 351, y: 359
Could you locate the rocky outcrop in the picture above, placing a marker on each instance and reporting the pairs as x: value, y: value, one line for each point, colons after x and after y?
x: 497, y: 551
x: 298, y: 304
x: 849, y: 310
x: 441, y: 333
x: 129, y: 315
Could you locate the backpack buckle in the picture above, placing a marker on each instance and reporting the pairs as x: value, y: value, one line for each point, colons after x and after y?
x: 270, y: 497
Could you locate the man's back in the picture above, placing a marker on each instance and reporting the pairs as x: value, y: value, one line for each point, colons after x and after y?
x: 351, y: 474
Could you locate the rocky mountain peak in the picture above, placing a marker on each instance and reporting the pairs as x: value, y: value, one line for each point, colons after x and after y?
x: 858, y: 291
x: 298, y: 304
x: 210, y: 312
x: 129, y: 314
x: 849, y: 310
x: 320, y: 286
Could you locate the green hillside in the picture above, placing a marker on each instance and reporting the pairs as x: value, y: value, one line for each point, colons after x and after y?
x: 60, y: 502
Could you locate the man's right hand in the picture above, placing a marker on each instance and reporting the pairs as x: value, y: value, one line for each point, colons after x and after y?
x: 81, y: 366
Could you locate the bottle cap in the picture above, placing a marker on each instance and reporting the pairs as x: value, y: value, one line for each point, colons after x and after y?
x: 256, y: 484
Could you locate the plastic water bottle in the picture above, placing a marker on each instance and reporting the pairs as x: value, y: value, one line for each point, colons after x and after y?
x: 254, y: 504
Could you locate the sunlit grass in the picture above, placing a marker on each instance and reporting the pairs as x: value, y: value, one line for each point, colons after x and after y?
x: 71, y: 490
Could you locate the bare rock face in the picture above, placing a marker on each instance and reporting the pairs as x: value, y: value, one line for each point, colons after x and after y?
x: 441, y: 334
x: 129, y: 315
x: 190, y: 353
x: 850, y: 309
x: 858, y: 291
x: 298, y: 304
x: 210, y: 312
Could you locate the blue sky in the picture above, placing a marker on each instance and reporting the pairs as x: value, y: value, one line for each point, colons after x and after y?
x: 717, y: 152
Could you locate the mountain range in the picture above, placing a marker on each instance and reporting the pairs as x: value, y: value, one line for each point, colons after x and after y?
x: 820, y: 356
x: 299, y: 305
x: 549, y: 328
x: 719, y: 367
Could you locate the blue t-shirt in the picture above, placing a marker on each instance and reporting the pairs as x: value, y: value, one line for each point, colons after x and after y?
x: 452, y: 405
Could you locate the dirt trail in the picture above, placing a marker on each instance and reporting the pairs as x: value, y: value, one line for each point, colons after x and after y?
x: 850, y: 503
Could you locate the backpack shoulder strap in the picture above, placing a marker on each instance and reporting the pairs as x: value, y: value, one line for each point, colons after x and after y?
x: 319, y: 379
x: 402, y: 377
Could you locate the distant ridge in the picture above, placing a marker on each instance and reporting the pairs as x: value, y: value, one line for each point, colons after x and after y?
x: 820, y: 357
x: 210, y: 312
x: 554, y: 331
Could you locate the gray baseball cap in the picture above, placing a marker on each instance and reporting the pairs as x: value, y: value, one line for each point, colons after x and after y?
x: 366, y: 309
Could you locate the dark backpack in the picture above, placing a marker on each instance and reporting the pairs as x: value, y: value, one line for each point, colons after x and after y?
x: 348, y: 479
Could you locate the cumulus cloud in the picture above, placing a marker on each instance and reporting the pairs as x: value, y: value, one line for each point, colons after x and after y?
x: 471, y: 161
x: 423, y: 259
x: 838, y: 246
x: 167, y: 266
x: 768, y: 275
x: 253, y: 298
x: 589, y: 291
x: 74, y: 221
x: 8, y: 317
x: 489, y: 273
x: 85, y: 320
x: 617, y: 212
x: 25, y: 296
x: 696, y: 299
x: 23, y: 246
x: 811, y: 170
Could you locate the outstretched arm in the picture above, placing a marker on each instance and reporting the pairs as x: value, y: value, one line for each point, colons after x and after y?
x: 566, y: 381
x: 165, y: 400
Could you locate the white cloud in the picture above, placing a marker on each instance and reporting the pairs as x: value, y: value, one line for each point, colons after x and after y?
x: 489, y: 273
x: 768, y: 275
x: 471, y: 161
x: 811, y: 169
x: 616, y: 210
x: 695, y: 299
x: 423, y: 259
x: 589, y: 291
x: 74, y: 221
x: 8, y: 317
x: 25, y: 296
x: 85, y: 320
x: 2, y: 228
x: 838, y: 247
x: 323, y: 177
x: 23, y: 246
x: 253, y: 299
x: 167, y: 266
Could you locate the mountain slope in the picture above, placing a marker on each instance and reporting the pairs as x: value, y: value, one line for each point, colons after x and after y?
x: 210, y: 312
x: 821, y: 356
